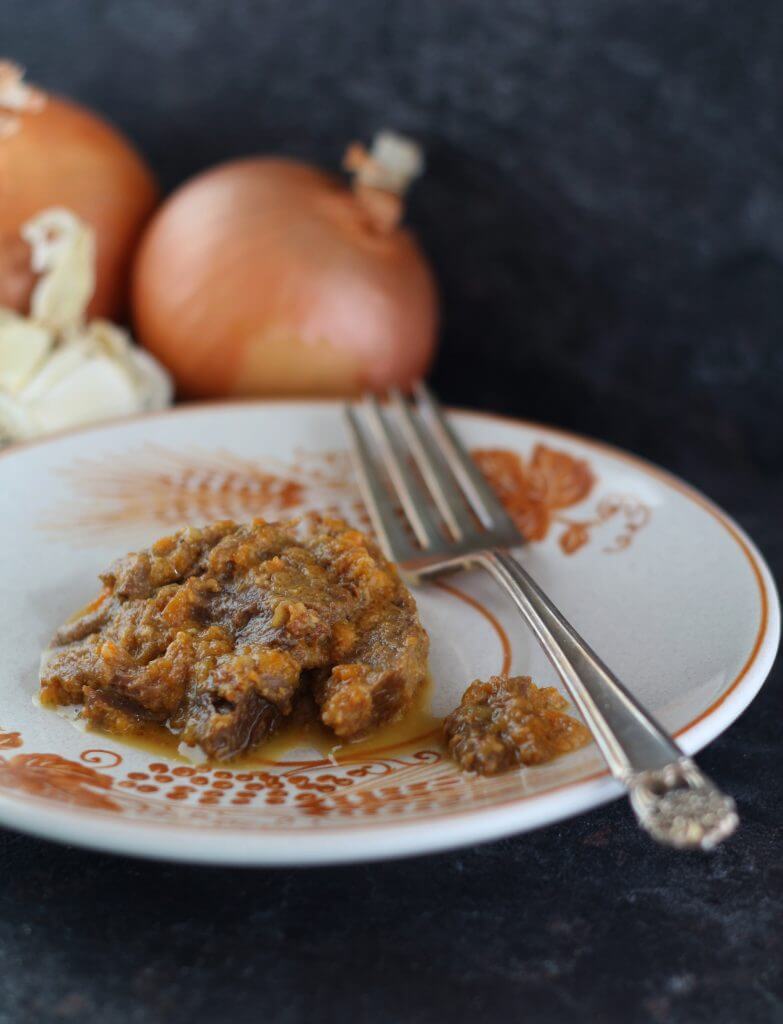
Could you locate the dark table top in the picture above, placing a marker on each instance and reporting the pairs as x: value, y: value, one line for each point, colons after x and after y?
x: 603, y: 205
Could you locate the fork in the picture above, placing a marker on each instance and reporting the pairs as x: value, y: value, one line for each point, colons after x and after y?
x: 434, y: 513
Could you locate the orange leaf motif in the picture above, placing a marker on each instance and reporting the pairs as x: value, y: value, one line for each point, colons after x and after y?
x: 531, y: 493
x: 575, y: 537
x: 56, y: 778
x: 556, y: 479
x: 10, y: 739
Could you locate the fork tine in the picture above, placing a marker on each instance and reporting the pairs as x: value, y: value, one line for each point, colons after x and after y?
x: 412, y: 498
x: 485, y: 503
x: 437, y: 476
x: 386, y: 524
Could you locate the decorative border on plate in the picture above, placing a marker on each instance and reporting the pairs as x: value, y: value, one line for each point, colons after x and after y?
x: 171, y: 488
x: 377, y: 783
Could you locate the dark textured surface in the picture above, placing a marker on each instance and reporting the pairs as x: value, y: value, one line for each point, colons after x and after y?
x: 605, y: 208
x: 605, y: 195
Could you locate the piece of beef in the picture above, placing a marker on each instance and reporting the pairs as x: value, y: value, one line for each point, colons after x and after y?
x: 506, y: 722
x: 209, y: 631
x: 381, y: 680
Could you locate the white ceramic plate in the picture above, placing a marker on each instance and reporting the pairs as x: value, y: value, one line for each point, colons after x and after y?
x: 670, y: 591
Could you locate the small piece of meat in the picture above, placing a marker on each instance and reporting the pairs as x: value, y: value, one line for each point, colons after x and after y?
x: 90, y: 621
x: 214, y: 632
x: 506, y: 722
x: 223, y: 729
x: 380, y: 682
x: 113, y: 713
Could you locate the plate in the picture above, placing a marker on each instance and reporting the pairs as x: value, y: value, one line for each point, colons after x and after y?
x: 661, y: 582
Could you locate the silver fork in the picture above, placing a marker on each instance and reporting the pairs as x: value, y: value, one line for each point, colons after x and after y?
x: 406, y: 454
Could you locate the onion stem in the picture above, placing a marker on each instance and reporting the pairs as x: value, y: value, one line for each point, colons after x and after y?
x: 382, y: 176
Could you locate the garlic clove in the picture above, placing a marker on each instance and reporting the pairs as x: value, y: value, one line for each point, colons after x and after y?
x: 23, y: 347
x: 15, y: 421
x: 56, y: 371
x: 63, y: 361
x: 152, y: 382
x: 63, y: 253
x: 107, y: 337
x: 93, y: 389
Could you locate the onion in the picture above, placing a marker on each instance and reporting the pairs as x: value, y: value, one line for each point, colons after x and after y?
x: 55, y: 153
x: 265, y: 276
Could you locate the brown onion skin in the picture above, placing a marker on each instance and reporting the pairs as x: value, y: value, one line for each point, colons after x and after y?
x: 65, y: 155
x: 265, y: 276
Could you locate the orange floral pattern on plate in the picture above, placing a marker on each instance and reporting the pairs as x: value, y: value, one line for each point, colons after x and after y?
x: 419, y: 784
x: 283, y: 794
x: 9, y: 740
x: 56, y: 778
x: 171, y: 489
x: 535, y: 492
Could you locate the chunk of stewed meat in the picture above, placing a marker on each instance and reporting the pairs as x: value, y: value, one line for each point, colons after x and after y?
x: 507, y: 722
x: 214, y: 632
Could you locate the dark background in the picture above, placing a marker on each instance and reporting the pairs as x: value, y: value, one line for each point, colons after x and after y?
x: 604, y: 207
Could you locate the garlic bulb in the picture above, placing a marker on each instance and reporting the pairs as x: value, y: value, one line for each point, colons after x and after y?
x: 56, y: 370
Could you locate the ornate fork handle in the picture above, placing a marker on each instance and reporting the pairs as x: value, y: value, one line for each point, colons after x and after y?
x: 673, y: 800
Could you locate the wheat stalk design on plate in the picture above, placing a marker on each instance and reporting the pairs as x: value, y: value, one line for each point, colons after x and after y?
x: 176, y: 488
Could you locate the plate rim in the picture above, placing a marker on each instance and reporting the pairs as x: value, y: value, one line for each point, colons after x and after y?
x: 394, y: 838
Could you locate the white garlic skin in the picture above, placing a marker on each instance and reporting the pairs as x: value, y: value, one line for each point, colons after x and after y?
x: 56, y: 370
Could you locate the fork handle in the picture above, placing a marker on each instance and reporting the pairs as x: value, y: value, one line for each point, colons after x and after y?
x: 673, y: 800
